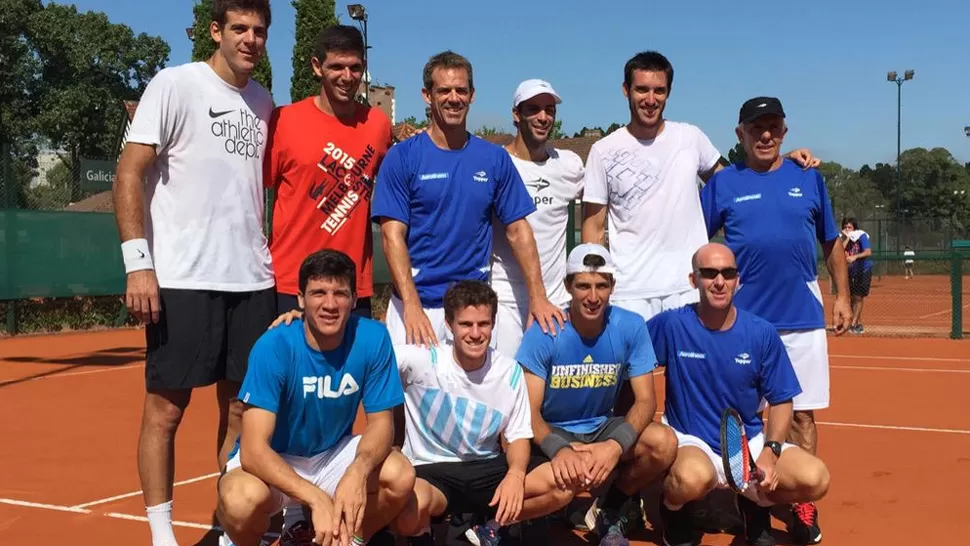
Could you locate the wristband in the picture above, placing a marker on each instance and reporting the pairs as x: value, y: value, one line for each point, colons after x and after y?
x: 137, y: 255
x: 624, y: 435
x: 552, y: 443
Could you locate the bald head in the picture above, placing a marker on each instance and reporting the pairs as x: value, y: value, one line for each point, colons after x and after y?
x: 713, y: 255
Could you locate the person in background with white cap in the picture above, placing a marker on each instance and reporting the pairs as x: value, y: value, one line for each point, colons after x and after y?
x: 775, y: 215
x: 554, y: 179
x: 574, y: 380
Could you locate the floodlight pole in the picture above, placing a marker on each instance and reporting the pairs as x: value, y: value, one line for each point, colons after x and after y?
x: 359, y: 13
x: 898, y: 80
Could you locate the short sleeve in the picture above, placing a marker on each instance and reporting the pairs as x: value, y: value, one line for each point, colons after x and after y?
x: 512, y: 200
x: 779, y: 383
x: 520, y: 420
x: 643, y: 359
x: 708, y: 154
x: 864, y: 242
x: 574, y: 173
x: 156, y: 118
x: 382, y: 384
x: 825, y: 227
x: 263, y: 384
x: 392, y: 192
x: 713, y: 216
x: 656, y: 329
x: 536, y: 351
x: 595, y: 190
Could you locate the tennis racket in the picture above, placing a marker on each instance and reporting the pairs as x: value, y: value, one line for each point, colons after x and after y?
x: 739, y: 466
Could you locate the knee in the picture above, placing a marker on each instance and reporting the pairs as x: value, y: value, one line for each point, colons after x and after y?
x: 161, y: 413
x: 397, y: 476
x: 687, y: 483
x: 239, y: 500
x: 803, y: 419
x: 816, y: 480
x: 657, y: 444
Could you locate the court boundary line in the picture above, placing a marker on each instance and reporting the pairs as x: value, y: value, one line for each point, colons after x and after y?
x: 943, y: 312
x: 891, y: 357
x: 140, y: 491
x: 894, y: 427
x: 891, y: 369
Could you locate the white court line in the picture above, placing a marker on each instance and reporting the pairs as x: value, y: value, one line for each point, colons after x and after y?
x: 893, y: 427
x: 73, y: 374
x: 139, y: 492
x: 44, y: 506
x: 891, y: 369
x: 943, y: 312
x: 920, y: 358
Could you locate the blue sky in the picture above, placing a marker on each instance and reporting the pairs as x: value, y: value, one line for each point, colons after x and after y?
x: 826, y: 60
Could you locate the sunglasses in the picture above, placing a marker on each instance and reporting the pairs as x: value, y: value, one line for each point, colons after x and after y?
x: 711, y: 273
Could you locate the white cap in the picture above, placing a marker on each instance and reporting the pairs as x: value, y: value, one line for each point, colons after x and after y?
x: 574, y: 263
x: 532, y: 88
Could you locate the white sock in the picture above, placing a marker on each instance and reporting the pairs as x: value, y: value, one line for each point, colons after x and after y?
x: 160, y: 522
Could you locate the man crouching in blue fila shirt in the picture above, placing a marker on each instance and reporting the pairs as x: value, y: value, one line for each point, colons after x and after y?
x: 301, y: 393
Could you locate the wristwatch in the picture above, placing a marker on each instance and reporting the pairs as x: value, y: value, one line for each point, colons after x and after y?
x: 775, y: 448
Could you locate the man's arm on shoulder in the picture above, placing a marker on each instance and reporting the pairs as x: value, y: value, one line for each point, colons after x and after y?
x: 522, y: 240
x: 595, y: 199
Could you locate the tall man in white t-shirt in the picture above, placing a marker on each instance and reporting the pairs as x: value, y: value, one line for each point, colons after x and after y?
x: 554, y: 179
x: 644, y: 178
x: 189, y: 204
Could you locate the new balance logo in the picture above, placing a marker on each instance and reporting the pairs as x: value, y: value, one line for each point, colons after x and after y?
x: 323, y: 386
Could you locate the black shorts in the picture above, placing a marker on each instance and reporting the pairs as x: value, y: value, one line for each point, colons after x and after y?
x: 468, y: 486
x: 859, y: 282
x: 204, y: 336
x: 288, y: 302
x: 598, y: 435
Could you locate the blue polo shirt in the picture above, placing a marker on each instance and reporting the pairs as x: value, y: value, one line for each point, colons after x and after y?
x: 773, y: 222
x: 708, y: 371
x: 447, y: 198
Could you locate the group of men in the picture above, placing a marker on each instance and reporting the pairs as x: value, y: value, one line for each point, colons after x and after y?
x: 507, y: 357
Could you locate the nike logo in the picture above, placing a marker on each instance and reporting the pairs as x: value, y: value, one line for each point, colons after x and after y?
x: 217, y: 114
x: 140, y: 254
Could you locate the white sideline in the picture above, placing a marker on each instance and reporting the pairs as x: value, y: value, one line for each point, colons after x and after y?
x: 139, y: 492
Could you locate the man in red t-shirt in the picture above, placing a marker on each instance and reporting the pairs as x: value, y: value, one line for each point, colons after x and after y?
x: 322, y: 158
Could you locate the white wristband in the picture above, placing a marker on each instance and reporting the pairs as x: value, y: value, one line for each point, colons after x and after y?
x: 136, y: 255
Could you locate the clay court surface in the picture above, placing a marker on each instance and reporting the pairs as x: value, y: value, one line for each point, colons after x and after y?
x: 896, y: 438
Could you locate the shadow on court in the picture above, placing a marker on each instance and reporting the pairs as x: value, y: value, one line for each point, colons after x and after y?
x: 118, y: 356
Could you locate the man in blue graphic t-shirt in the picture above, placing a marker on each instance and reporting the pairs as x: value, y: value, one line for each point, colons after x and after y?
x: 574, y: 379
x: 301, y: 392
x: 718, y: 356
x: 858, y: 254
x: 435, y: 198
x: 775, y: 215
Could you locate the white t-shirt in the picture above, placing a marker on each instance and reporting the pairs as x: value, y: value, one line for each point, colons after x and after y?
x: 454, y: 415
x: 205, y: 190
x: 654, y: 211
x: 553, y: 184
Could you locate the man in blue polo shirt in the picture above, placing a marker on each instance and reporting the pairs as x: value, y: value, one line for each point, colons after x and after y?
x: 718, y: 356
x: 775, y: 215
x: 574, y: 380
x: 301, y: 394
x: 435, y: 198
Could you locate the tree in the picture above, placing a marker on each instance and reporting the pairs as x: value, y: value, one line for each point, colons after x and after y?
x: 557, y: 132
x: 203, y: 46
x: 485, y: 131
x: 852, y: 194
x: 311, y: 17
x: 613, y: 127
x: 413, y: 122
x: 737, y: 154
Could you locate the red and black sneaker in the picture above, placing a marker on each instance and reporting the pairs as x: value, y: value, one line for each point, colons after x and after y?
x: 804, y: 527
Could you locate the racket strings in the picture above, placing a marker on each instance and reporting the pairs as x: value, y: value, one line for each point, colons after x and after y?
x: 737, y: 455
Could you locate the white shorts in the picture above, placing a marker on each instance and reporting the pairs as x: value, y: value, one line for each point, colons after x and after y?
x: 649, y: 307
x: 510, y: 320
x: 394, y: 320
x: 809, y: 354
x: 323, y: 470
x: 755, y: 445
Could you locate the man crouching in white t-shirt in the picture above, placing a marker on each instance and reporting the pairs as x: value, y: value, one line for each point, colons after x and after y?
x: 554, y: 179
x: 461, y: 400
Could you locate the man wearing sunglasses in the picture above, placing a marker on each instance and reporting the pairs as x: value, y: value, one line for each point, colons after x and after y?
x: 719, y: 356
x: 774, y: 215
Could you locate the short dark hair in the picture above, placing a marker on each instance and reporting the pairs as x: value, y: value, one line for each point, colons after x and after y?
x: 651, y: 61
x: 221, y: 7
x: 469, y: 293
x: 338, y: 38
x: 446, y: 59
x: 328, y: 264
x: 850, y: 220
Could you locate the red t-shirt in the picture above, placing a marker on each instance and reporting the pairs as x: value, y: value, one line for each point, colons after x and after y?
x: 324, y: 173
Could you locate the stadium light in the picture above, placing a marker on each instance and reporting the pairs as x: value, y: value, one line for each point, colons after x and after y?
x: 894, y: 78
x: 966, y: 131
x: 190, y: 32
x: 358, y: 13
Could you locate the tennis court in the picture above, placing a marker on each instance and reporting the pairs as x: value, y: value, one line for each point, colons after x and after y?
x: 895, y: 439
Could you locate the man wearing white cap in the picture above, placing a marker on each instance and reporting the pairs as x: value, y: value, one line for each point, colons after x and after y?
x: 574, y: 380
x: 554, y: 179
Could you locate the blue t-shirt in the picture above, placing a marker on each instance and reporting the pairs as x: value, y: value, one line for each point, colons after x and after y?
x: 314, y: 394
x: 859, y: 245
x: 707, y: 371
x: 773, y: 223
x: 583, y: 376
x: 447, y: 198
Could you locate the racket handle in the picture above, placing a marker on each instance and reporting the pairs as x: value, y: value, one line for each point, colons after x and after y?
x: 757, y: 475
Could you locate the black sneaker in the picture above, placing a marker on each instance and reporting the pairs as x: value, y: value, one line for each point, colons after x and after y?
x: 804, y: 527
x: 299, y: 534
x: 382, y: 538
x: 757, y: 522
x: 678, y: 526
x: 612, y: 525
